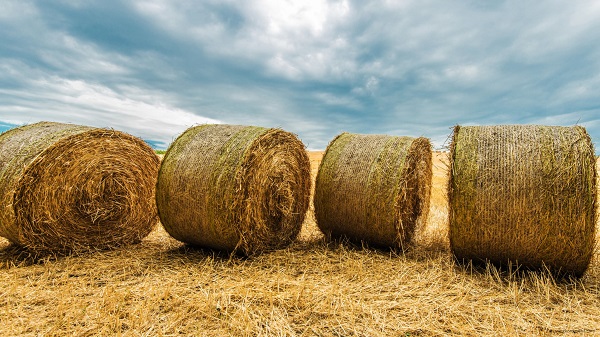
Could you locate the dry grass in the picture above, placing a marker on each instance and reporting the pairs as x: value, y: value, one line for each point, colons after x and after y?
x: 312, y: 288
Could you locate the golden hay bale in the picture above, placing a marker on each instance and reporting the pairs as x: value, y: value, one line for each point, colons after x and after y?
x: 236, y: 188
x: 67, y: 187
x: 524, y: 194
x: 374, y: 188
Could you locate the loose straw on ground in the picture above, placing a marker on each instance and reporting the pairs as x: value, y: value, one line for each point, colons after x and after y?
x: 67, y: 187
x: 374, y: 188
x: 234, y: 188
x: 523, y: 194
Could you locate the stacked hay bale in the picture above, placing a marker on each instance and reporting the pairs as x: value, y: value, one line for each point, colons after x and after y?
x: 67, y: 187
x: 236, y: 188
x: 523, y: 194
x: 374, y: 188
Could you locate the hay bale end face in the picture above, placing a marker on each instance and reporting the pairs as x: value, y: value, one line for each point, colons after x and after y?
x: 374, y: 188
x: 234, y: 188
x: 67, y: 187
x: 523, y: 194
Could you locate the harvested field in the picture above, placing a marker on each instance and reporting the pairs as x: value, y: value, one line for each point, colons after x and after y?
x: 312, y: 288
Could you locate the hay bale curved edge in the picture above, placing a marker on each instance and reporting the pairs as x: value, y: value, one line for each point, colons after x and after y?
x: 374, y: 188
x: 234, y: 188
x: 67, y: 187
x: 523, y: 194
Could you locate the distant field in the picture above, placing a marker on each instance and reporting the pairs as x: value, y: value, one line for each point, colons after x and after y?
x: 313, y: 288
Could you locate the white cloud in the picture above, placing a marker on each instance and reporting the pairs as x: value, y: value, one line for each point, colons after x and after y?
x: 281, y: 66
x: 294, y: 40
x: 338, y: 100
x: 581, y: 90
x: 15, y: 11
x: 467, y: 73
x: 73, y: 55
x: 583, y: 117
x: 287, y: 17
x: 91, y: 104
x: 368, y: 87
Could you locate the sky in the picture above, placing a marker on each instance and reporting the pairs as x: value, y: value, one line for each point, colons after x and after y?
x: 154, y: 68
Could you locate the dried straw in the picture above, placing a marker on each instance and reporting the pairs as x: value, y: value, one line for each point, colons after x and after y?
x: 523, y: 194
x: 374, y: 188
x: 235, y: 188
x: 67, y: 187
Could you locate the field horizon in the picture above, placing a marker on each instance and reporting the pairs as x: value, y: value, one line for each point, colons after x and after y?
x: 315, y: 287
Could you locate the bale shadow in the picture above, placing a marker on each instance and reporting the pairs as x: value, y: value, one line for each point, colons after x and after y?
x: 412, y: 251
x: 197, y: 254
x: 510, y: 272
x: 15, y: 256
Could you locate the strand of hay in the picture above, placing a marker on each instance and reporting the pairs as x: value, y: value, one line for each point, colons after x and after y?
x: 374, y: 188
x: 67, y: 187
x: 523, y: 194
x: 235, y: 188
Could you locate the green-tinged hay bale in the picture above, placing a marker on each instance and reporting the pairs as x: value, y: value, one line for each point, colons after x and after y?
x: 242, y: 189
x: 523, y: 194
x: 374, y: 188
x: 67, y: 187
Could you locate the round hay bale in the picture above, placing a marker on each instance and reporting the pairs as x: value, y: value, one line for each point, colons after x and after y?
x: 234, y: 188
x: 67, y: 187
x: 374, y: 188
x: 523, y: 194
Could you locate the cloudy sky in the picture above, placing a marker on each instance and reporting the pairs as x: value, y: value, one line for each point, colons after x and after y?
x: 313, y: 67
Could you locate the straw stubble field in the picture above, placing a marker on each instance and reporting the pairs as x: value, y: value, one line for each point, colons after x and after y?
x: 313, y: 288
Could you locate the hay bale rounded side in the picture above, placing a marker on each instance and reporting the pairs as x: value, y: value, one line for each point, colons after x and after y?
x: 374, y: 188
x: 523, y: 194
x: 67, y: 187
x: 235, y: 188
